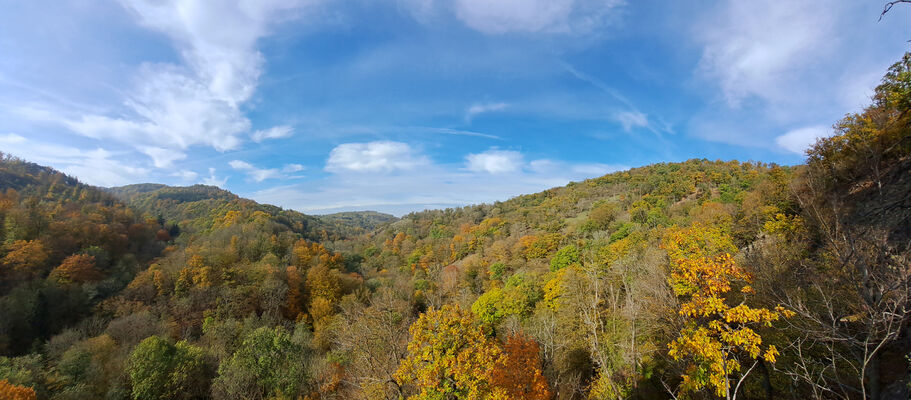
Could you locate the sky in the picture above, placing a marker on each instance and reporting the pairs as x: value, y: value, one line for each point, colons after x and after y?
x: 402, y: 105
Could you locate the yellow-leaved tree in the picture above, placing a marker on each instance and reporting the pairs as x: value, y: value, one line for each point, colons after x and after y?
x: 451, y: 357
x: 718, y: 342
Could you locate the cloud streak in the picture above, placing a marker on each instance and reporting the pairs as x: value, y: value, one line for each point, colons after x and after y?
x: 254, y: 173
x: 535, y: 16
x: 799, y: 140
x: 99, y: 166
x: 277, y: 132
x: 478, y: 109
x: 761, y: 44
x: 172, y: 107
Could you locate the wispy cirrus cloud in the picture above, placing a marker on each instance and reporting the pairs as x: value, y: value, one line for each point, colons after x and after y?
x: 777, y: 64
x: 481, y: 108
x: 214, y: 180
x: 291, y: 168
x: 535, y: 16
x: 629, y: 117
x: 253, y: 172
x: 276, y: 132
x: 97, y: 166
x: 632, y: 119
x: 759, y: 46
x: 172, y: 107
x: 799, y: 140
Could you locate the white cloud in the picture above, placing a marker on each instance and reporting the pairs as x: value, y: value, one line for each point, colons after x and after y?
x: 380, y: 156
x: 162, y: 158
x: 186, y: 175
x: 596, y: 169
x: 276, y: 132
x: 254, y: 173
x: 96, y: 167
x: 11, y: 138
x: 241, y: 165
x: 477, y: 109
x: 213, y: 180
x: 198, y: 103
x: 543, y: 166
x: 495, y: 161
x: 433, y: 186
x: 632, y: 119
x: 531, y: 16
x: 290, y: 168
x: 757, y: 48
x: 799, y: 140
x: 784, y: 64
x: 588, y: 170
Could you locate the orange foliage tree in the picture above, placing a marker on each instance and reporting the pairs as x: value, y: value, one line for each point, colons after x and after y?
x: 25, y: 257
x: 295, y: 296
x: 77, y: 268
x: 8, y: 391
x: 520, y: 374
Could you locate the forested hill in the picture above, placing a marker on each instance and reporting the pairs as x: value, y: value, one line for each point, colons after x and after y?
x: 66, y: 247
x: 23, y: 176
x: 197, y: 207
x: 364, y: 221
x: 702, y: 279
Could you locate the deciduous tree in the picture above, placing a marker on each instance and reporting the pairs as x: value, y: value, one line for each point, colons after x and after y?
x: 8, y: 391
x: 718, y: 339
x: 77, y: 268
x: 159, y: 369
x: 520, y: 373
x: 450, y: 357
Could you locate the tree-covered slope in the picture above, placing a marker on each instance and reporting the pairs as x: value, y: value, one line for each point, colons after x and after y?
x: 66, y: 247
x: 364, y: 221
x: 196, y: 207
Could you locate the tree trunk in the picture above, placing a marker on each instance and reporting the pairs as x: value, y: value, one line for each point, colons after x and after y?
x: 873, y: 378
x: 767, y: 381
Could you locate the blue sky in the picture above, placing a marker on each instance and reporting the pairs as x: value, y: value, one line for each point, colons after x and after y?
x: 397, y: 106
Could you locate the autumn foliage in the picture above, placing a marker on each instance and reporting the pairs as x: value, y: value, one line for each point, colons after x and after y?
x: 8, y: 391
x: 520, y: 374
x: 77, y: 268
x: 718, y: 338
x: 25, y: 258
x: 661, y: 281
x: 449, y: 356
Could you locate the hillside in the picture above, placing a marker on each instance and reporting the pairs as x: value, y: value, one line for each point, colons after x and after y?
x: 66, y: 247
x: 366, y: 221
x: 195, y: 208
x: 701, y: 279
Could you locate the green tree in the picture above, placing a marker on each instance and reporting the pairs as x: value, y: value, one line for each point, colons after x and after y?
x: 565, y: 257
x: 159, y: 369
x: 271, y: 362
x: 517, y: 297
